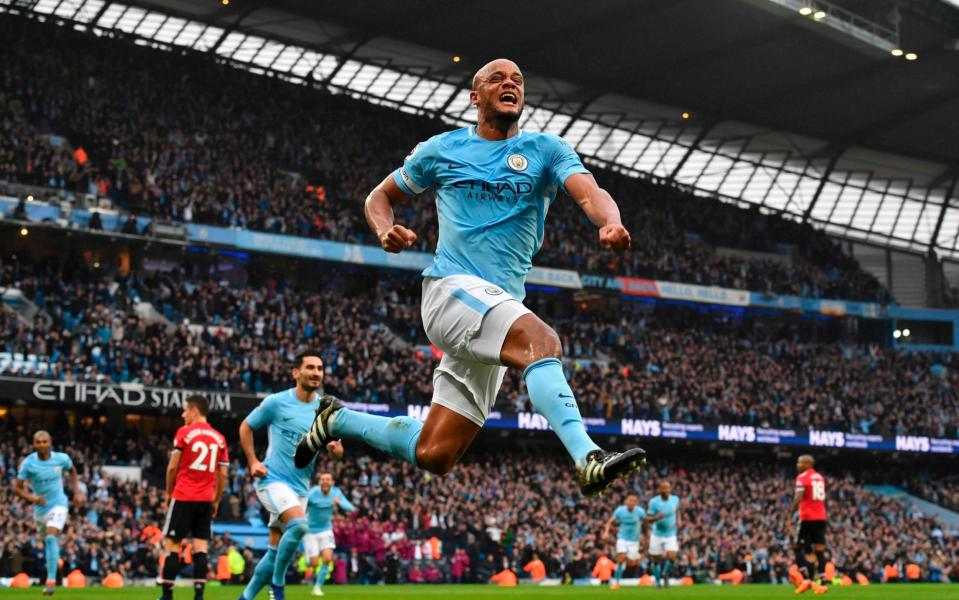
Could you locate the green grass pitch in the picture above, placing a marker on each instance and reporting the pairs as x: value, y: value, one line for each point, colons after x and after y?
x: 395, y: 592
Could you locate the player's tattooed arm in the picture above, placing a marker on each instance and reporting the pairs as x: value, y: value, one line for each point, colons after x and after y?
x: 20, y: 489
x: 797, y: 497
x: 379, y: 216
x: 600, y: 209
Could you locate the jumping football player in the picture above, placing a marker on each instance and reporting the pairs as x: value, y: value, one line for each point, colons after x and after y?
x: 494, y: 184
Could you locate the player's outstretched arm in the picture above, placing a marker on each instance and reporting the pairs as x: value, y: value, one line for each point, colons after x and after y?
x: 379, y: 216
x: 600, y: 209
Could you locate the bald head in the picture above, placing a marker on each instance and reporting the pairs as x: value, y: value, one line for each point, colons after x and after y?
x: 503, y: 64
x: 498, y: 94
x: 805, y: 462
x: 42, y: 442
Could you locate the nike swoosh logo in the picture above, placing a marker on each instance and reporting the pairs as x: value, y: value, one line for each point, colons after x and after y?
x: 565, y: 396
x: 451, y: 166
x: 287, y: 418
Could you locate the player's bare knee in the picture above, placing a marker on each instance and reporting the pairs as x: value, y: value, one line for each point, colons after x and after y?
x: 434, y: 459
x: 552, y: 346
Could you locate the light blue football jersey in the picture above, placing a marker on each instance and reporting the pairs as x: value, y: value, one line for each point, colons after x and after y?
x: 629, y: 522
x: 46, y: 478
x: 665, y: 527
x: 491, y: 197
x: 319, y: 508
x: 288, y: 419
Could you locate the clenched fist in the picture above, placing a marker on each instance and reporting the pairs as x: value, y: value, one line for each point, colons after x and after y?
x: 614, y: 237
x: 397, y: 238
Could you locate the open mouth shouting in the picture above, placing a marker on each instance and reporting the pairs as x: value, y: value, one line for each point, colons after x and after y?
x: 509, y: 99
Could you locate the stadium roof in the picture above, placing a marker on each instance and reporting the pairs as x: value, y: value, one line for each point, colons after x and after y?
x: 784, y: 112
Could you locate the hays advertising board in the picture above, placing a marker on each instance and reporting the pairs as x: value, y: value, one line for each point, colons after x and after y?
x: 43, y: 393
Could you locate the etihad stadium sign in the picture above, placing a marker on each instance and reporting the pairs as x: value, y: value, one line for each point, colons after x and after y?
x: 40, y: 392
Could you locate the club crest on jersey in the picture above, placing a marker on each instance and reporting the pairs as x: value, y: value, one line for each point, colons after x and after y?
x: 517, y: 162
x: 493, y: 291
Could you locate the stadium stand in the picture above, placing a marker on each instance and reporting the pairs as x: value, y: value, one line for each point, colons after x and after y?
x: 672, y: 364
x: 172, y: 156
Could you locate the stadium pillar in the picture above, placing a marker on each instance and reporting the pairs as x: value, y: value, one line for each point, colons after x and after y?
x: 578, y: 114
x: 822, y: 182
x: 707, y: 127
x: 942, y: 212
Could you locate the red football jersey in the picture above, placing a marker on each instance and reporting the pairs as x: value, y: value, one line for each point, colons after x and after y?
x: 812, y: 507
x: 202, y: 449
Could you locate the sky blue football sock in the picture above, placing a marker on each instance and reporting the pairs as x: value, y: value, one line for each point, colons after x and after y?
x: 618, y: 574
x: 321, y: 572
x: 552, y: 398
x: 667, y: 565
x: 396, y: 436
x: 286, y: 549
x: 657, y: 570
x: 51, y: 551
x: 262, y: 574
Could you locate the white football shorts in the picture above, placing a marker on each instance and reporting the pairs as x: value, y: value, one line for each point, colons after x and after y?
x: 56, y: 517
x: 468, y: 318
x: 315, y: 543
x: 659, y: 545
x: 277, y: 498
x: 630, y: 549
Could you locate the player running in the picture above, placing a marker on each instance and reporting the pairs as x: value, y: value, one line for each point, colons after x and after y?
x: 282, y: 486
x: 195, y: 480
x: 44, y: 469
x: 319, y: 542
x: 663, y: 513
x: 810, y: 547
x: 494, y: 184
x: 631, y: 520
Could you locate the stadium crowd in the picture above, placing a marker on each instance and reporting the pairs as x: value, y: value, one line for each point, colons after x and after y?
x: 670, y: 365
x: 484, y: 516
x: 241, y: 153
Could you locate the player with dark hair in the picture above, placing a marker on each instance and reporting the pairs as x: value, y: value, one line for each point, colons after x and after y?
x: 494, y: 184
x: 195, y: 480
x: 282, y: 486
x: 630, y: 518
x: 44, y: 469
x: 810, y: 498
x: 663, y: 513
x: 319, y: 543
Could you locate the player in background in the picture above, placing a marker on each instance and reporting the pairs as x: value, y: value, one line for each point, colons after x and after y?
x: 494, y: 184
x: 631, y: 521
x: 810, y: 498
x: 281, y: 486
x: 43, y: 469
x: 195, y: 480
x: 663, y: 513
x: 319, y: 542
